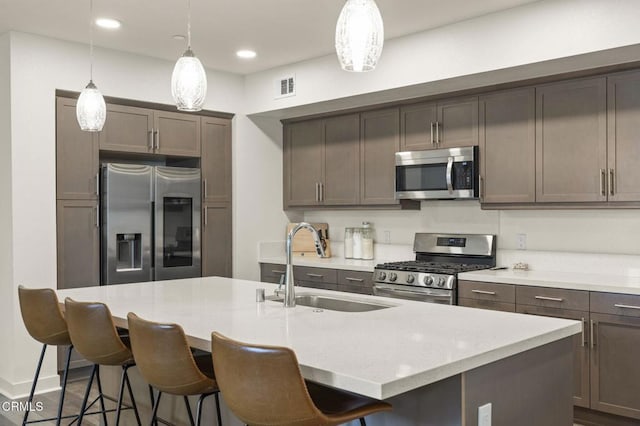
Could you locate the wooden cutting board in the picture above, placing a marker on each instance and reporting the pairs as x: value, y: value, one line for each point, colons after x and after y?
x: 303, y: 244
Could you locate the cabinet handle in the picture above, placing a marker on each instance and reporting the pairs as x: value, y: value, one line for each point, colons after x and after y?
x: 206, y: 217
x: 591, y: 334
x: 490, y: 293
x: 618, y: 305
x: 358, y: 280
x: 612, y: 182
x: 98, y: 184
x: 432, y: 141
x: 317, y: 192
x: 275, y: 271
x: 584, y: 325
x: 437, y: 133
x: 481, y: 189
x: 97, y: 217
x: 150, y: 139
x: 603, y: 176
x: 321, y: 191
x: 314, y: 275
x: 552, y: 299
x: 204, y: 188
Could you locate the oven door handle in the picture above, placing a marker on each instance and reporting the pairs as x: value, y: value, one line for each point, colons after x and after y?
x: 450, y: 175
x: 414, y: 293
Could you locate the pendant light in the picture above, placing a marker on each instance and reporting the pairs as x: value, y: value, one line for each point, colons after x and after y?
x: 359, y: 35
x: 189, y: 80
x: 91, y: 110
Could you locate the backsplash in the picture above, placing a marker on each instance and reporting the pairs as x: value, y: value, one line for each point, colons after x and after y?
x: 585, y: 231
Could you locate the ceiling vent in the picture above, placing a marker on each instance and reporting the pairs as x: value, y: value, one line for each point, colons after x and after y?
x: 286, y: 86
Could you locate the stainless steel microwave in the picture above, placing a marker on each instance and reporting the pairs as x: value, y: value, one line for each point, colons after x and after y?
x: 437, y: 174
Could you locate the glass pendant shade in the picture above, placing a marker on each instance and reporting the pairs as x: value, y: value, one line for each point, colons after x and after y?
x: 91, y: 110
x: 359, y: 35
x: 189, y: 83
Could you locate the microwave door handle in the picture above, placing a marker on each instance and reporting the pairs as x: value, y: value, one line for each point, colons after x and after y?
x: 450, y: 175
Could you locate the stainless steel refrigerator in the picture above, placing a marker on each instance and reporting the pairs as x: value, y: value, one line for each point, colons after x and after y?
x: 150, y: 223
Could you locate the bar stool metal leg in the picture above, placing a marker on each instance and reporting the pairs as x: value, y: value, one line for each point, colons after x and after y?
x: 186, y: 402
x: 133, y: 400
x: 33, y: 386
x: 64, y: 384
x: 216, y: 396
x: 101, y: 395
x: 362, y: 422
x: 83, y: 407
x: 155, y: 409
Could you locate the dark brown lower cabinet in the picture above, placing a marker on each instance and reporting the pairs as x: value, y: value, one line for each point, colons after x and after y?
x: 615, y: 364
x: 580, y: 348
x: 322, y: 278
x: 78, y: 238
x: 216, y: 240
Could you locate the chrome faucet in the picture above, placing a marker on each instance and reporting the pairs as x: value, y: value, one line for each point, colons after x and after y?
x: 289, y: 291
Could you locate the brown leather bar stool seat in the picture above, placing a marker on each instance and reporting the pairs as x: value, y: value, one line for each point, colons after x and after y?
x: 95, y: 337
x: 263, y: 386
x: 166, y: 362
x: 44, y: 321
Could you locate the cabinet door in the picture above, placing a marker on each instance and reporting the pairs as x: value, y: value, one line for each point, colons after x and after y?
x: 508, y: 147
x: 216, y: 241
x: 177, y: 134
x: 457, y: 123
x: 76, y: 155
x: 127, y: 129
x: 615, y: 375
x: 303, y: 163
x: 341, y: 183
x: 215, y: 161
x: 417, y: 127
x: 580, y: 348
x: 623, y: 129
x: 379, y: 141
x: 571, y: 141
x: 78, y: 242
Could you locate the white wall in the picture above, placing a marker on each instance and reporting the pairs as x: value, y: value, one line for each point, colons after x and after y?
x: 477, y: 52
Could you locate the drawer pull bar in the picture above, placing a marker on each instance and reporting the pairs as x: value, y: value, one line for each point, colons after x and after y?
x: 491, y: 293
x: 584, y: 325
x: 275, y: 271
x: 552, y: 299
x: 618, y: 305
x: 315, y: 275
x: 359, y: 280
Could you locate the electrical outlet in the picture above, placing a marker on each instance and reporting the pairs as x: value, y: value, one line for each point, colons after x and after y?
x: 387, y: 237
x: 521, y: 241
x: 484, y: 415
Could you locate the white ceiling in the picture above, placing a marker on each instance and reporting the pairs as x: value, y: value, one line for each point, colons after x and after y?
x: 280, y: 31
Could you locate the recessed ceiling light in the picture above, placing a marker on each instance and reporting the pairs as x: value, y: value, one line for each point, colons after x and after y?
x: 179, y: 37
x: 108, y: 23
x: 246, y: 54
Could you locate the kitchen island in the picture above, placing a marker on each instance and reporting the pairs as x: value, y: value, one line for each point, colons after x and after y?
x: 436, y: 364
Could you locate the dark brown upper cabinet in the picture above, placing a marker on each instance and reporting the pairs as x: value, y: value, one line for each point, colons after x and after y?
x: 137, y: 130
x: 303, y: 163
x: 341, y: 179
x: 571, y: 141
x: 215, y: 160
x: 508, y: 147
x: 443, y: 124
x: 76, y: 156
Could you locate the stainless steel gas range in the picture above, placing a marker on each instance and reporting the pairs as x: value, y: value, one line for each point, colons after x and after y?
x: 433, y: 275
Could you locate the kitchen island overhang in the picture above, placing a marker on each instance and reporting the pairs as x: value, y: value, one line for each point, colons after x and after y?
x: 384, y: 353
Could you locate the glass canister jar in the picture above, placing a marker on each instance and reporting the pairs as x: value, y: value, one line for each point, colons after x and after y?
x: 348, y: 243
x: 367, y: 241
x: 357, y: 243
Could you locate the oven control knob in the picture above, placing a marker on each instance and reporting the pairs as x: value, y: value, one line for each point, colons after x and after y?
x: 382, y: 276
x: 441, y: 282
x: 393, y: 276
x: 410, y: 279
x: 428, y: 280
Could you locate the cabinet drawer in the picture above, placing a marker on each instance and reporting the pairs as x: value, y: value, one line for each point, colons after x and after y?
x: 576, y: 300
x: 356, y: 289
x: 315, y: 284
x: 487, y: 304
x: 271, y: 272
x: 504, y: 293
x: 318, y: 275
x: 615, y: 304
x: 355, y: 278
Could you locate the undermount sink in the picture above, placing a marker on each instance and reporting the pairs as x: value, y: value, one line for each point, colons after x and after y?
x: 335, y: 303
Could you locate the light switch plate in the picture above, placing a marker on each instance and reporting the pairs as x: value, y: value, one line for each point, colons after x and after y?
x: 521, y: 241
x: 484, y: 415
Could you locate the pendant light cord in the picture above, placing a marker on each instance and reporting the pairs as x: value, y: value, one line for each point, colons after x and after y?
x: 90, y: 40
x: 189, y: 24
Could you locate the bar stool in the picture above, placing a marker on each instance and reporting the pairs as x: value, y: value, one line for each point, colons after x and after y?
x: 44, y: 321
x: 263, y: 386
x: 166, y: 362
x: 95, y: 337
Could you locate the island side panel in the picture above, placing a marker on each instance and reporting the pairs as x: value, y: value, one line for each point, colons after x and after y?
x: 529, y: 389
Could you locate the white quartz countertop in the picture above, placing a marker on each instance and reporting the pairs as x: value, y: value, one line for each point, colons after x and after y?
x: 380, y: 353
x: 568, y: 280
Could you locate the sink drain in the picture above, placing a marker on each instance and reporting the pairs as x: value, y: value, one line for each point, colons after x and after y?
x: 318, y: 310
